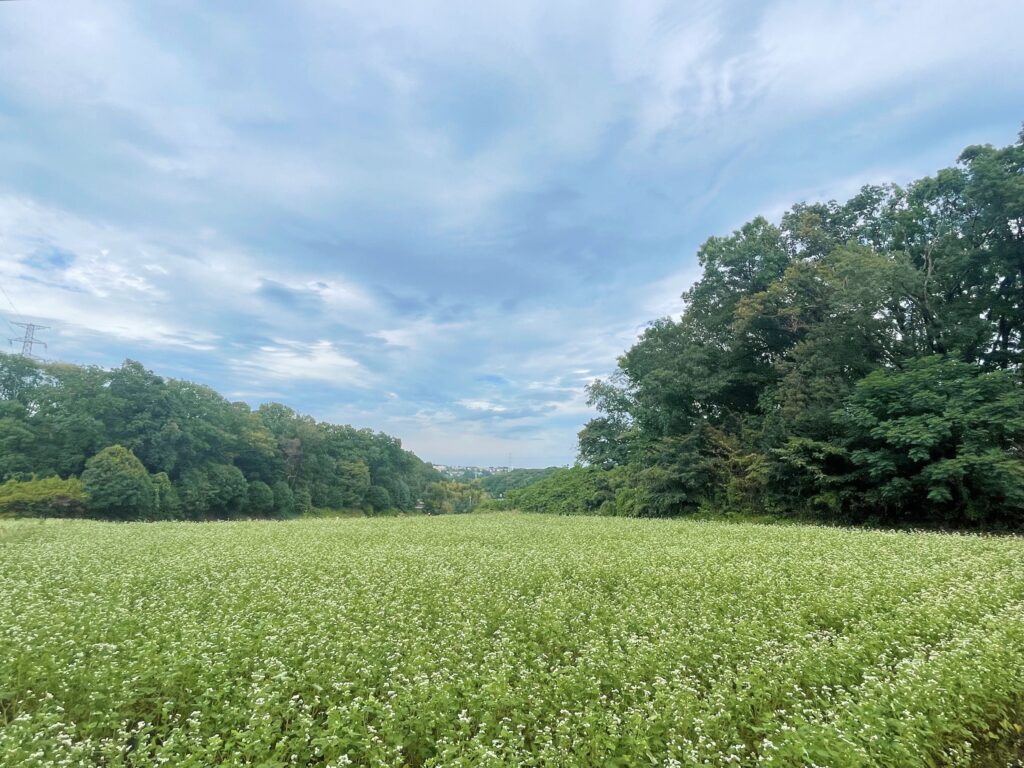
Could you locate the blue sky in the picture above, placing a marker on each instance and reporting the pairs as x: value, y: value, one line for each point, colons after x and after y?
x: 442, y: 220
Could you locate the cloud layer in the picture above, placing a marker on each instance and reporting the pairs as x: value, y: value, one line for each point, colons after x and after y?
x: 443, y: 221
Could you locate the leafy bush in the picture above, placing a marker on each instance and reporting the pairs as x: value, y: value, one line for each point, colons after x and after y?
x: 228, y: 489
x: 46, y: 497
x: 498, y: 484
x: 216, y: 490
x: 378, y: 498
x: 303, y: 501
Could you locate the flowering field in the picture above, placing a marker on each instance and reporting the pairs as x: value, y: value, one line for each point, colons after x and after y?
x: 506, y: 640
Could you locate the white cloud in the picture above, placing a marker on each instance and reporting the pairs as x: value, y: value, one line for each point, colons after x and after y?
x: 424, y: 335
x: 295, y: 360
x: 816, y: 53
x: 482, y: 405
x: 248, y: 210
x: 140, y: 286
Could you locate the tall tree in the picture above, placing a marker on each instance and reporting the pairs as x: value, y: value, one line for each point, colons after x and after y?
x: 118, y: 485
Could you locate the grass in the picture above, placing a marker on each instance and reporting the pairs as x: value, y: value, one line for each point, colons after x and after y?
x: 507, y: 639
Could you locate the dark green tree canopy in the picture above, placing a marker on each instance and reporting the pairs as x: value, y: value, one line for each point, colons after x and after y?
x: 204, y: 454
x: 118, y: 485
x: 860, y: 359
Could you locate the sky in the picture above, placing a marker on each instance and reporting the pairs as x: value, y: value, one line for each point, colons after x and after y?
x: 442, y: 220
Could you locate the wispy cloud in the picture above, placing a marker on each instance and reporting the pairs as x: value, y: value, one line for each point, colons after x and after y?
x: 444, y: 222
x: 300, y: 361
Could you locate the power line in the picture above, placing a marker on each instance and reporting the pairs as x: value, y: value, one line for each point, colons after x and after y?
x: 16, y: 312
x: 28, y: 341
x: 28, y: 338
x: 3, y: 237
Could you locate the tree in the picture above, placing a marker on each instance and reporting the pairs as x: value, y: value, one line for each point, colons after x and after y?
x: 261, y: 498
x: 54, y: 416
x: 378, y: 498
x: 938, y: 439
x: 500, y: 483
x: 811, y: 355
x: 195, y: 494
x: 354, y: 484
x: 227, y: 488
x: 573, y: 491
x: 450, y: 497
x: 303, y: 501
x: 118, y: 485
x: 284, y: 499
x: 166, y: 504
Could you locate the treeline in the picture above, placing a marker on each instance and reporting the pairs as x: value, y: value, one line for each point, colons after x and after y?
x: 858, y: 361
x: 128, y: 444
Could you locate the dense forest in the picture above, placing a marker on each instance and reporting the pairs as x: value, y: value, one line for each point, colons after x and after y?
x: 128, y: 444
x: 858, y: 361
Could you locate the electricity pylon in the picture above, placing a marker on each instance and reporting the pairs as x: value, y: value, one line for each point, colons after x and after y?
x: 28, y: 341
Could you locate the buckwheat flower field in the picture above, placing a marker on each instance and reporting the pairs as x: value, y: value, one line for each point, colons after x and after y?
x: 487, y: 640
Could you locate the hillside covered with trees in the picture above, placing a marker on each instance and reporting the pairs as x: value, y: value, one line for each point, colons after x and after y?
x: 128, y: 444
x: 859, y: 361
x: 500, y: 483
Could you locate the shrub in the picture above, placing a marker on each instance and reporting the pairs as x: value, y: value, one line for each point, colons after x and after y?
x: 48, y: 497
x: 575, y: 491
x: 938, y: 439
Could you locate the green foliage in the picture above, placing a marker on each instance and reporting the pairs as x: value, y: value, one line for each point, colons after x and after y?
x: 507, y: 640
x: 261, y: 499
x: 303, y: 501
x: 53, y: 417
x: 216, y: 490
x: 45, y: 497
x: 500, y: 483
x: 938, y: 438
x: 378, y: 498
x: 861, y: 360
x: 354, y: 484
x: 284, y: 499
x: 449, y: 497
x: 195, y: 493
x: 228, y: 489
x: 118, y: 486
x: 166, y: 504
x: 573, y: 491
